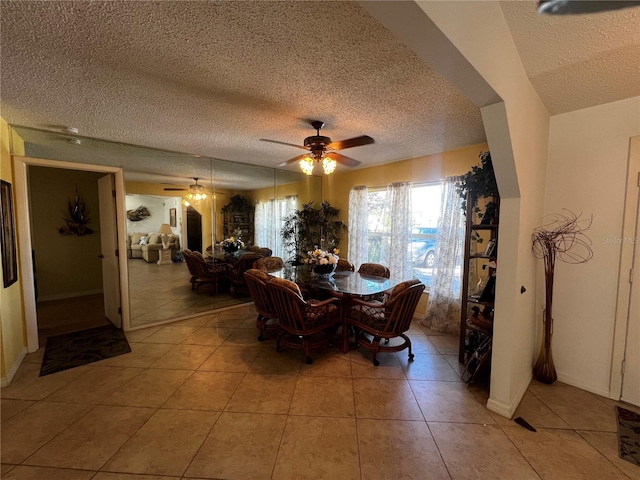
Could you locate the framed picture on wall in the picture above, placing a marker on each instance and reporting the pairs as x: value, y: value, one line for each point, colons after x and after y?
x: 172, y: 217
x: 8, y: 235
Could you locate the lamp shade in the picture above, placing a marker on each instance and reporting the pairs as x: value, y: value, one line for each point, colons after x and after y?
x: 165, y: 228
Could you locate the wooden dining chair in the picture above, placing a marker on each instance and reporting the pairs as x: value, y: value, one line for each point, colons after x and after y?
x: 206, y: 273
x: 345, y: 265
x: 267, y: 318
x: 303, y: 324
x: 235, y: 273
x: 386, y: 320
x: 374, y: 269
x: 269, y: 264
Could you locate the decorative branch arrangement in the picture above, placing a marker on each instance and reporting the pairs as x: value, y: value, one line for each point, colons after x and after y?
x: 78, y: 219
x: 563, y: 238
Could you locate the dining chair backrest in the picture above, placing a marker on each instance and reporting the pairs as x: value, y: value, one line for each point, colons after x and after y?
x: 374, y: 269
x: 402, y: 303
x: 256, y: 281
x: 345, y: 265
x: 269, y: 264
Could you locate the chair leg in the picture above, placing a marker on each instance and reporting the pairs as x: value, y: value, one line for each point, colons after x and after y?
x: 375, y: 345
x: 278, y: 349
x: 260, y: 323
x: 306, y: 346
x: 408, y: 340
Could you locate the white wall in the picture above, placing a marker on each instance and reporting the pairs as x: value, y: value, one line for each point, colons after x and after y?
x: 587, y: 171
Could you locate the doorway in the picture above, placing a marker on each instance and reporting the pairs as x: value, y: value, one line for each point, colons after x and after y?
x: 69, y: 222
x: 194, y: 230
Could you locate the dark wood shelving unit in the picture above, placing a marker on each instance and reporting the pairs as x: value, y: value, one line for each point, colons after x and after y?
x: 485, y: 300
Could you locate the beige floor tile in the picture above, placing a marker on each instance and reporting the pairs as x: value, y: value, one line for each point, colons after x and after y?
x: 362, y: 365
x: 231, y: 359
x: 129, y: 476
x: 607, y: 444
x: 449, y: 402
x: 141, y: 334
x: 420, y: 343
x: 323, y: 396
x: 12, y: 407
x: 141, y: 356
x: 198, y: 321
x: 537, y: 414
x: 235, y: 438
x: 392, y: 449
x: 28, y: 430
x: 580, y: 409
x: 386, y: 399
x: 287, y: 362
x: 263, y: 394
x: 169, y: 334
x: 477, y: 451
x: 223, y: 322
x: 184, y: 357
x: 35, y: 357
x: 205, y: 391
x: 328, y: 363
x: 242, y: 337
x: 446, y: 344
x: 428, y: 367
x: 93, y: 439
x: 93, y: 386
x: 452, y: 360
x: 317, y: 449
x: 213, y: 336
x: 40, y: 473
x: 561, y: 454
x: 165, y: 445
x: 29, y: 385
x: 151, y: 388
x: 6, y: 468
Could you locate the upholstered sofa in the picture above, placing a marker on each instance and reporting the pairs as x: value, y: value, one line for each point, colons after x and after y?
x: 148, y: 245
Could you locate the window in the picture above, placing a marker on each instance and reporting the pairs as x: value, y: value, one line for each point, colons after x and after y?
x: 268, y: 223
x: 425, y: 211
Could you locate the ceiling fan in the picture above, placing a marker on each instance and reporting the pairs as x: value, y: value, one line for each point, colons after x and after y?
x: 196, y: 191
x: 323, y: 150
x: 573, y: 7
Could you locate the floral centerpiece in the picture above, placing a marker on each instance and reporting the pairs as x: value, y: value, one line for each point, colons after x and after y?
x: 232, y: 244
x: 324, y: 262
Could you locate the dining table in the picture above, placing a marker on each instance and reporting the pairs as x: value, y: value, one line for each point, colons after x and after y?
x: 347, y: 286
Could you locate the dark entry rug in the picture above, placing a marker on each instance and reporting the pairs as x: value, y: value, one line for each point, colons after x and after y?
x: 79, y: 348
x: 628, y: 435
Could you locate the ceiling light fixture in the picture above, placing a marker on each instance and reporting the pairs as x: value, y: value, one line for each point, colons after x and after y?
x: 307, y: 163
x: 576, y: 7
x: 197, y: 191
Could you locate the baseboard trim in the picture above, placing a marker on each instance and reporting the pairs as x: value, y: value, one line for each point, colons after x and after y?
x: 508, y: 409
x: 5, y: 381
x: 62, y: 296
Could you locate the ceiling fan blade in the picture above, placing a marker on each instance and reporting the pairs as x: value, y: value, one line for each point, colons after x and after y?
x: 292, y: 160
x: 343, y: 160
x: 283, y: 143
x: 351, y: 142
x: 174, y: 189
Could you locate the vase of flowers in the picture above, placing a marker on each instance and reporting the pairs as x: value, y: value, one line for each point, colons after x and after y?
x: 323, y: 262
x: 232, y: 244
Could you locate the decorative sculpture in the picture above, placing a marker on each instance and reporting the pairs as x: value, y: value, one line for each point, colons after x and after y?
x: 138, y: 214
x: 563, y: 238
x: 76, y: 223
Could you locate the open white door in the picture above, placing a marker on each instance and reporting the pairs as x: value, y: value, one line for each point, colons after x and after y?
x: 631, y: 372
x: 109, y: 247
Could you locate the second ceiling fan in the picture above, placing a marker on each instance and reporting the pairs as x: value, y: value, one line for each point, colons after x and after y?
x: 323, y: 150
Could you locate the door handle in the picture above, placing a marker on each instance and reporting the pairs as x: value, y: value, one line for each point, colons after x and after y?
x: 101, y: 256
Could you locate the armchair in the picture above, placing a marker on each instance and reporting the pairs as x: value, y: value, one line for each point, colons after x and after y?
x: 267, y: 318
x: 303, y: 324
x: 386, y: 320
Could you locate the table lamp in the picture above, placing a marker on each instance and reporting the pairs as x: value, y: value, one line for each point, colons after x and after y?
x: 165, y: 231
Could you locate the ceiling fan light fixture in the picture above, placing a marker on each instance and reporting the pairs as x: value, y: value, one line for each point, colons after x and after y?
x: 306, y: 165
x: 328, y: 165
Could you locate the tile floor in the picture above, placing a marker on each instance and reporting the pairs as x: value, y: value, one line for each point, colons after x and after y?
x: 203, y: 399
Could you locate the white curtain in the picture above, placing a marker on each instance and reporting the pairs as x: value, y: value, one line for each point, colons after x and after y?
x: 399, y: 196
x: 443, y: 313
x: 358, y: 225
x: 268, y: 223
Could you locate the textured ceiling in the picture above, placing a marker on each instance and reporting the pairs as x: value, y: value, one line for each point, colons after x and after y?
x: 213, y: 78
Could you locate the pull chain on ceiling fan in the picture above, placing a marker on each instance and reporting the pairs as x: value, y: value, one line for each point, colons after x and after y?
x: 322, y: 150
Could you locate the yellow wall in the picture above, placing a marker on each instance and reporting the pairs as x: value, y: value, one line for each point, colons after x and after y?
x: 66, y: 265
x: 12, y: 326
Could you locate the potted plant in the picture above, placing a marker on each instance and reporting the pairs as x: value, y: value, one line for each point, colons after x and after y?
x: 311, y: 228
x: 480, y: 182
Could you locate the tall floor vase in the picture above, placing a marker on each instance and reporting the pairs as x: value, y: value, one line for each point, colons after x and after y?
x: 544, y: 369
